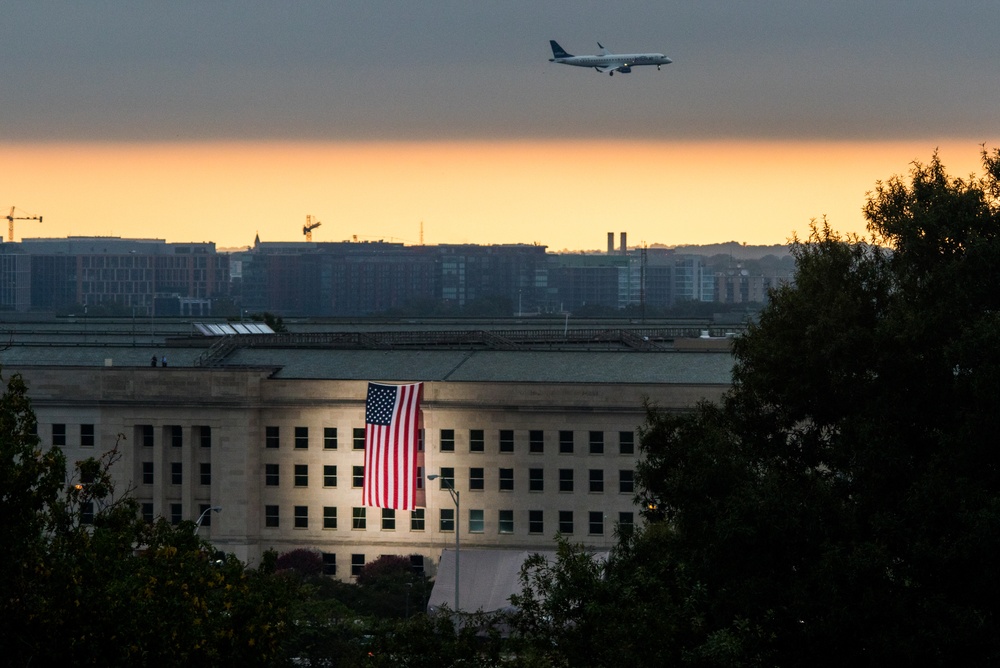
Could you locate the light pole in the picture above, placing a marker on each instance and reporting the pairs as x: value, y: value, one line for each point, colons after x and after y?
x: 197, y: 525
x: 454, y: 497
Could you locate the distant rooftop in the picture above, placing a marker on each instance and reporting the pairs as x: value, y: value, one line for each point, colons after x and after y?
x: 105, y: 245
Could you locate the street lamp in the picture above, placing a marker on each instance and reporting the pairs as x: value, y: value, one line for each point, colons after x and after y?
x: 454, y: 497
x: 197, y: 525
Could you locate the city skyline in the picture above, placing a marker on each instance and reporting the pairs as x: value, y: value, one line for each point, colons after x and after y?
x: 219, y: 123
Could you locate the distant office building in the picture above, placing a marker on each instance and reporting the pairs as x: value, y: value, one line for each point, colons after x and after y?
x: 739, y: 286
x: 356, y: 279
x: 15, y: 283
x: 142, y: 276
x: 351, y: 279
x: 693, y: 281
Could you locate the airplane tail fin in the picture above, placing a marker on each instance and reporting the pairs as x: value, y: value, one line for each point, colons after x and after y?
x: 558, y: 51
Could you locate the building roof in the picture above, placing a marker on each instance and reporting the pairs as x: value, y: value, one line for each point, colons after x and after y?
x: 495, y: 366
x: 133, y: 344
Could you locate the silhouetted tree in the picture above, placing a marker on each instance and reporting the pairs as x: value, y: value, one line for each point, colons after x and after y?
x: 840, y: 505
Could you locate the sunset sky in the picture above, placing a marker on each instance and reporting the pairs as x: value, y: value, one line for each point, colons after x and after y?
x: 192, y: 121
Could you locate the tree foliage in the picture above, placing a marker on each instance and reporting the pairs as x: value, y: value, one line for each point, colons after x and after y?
x: 841, y: 504
x: 303, y: 562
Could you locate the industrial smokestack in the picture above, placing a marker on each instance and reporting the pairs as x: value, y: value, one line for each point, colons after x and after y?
x: 611, y: 243
x: 624, y: 245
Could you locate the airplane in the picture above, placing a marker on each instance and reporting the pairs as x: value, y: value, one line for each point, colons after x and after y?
x: 607, y: 61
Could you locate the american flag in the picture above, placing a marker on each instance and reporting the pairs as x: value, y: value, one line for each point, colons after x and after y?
x: 392, y: 437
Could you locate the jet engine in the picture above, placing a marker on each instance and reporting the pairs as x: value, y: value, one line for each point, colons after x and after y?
x: 624, y: 69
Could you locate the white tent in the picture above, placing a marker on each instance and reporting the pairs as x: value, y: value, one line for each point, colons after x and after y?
x: 487, y: 578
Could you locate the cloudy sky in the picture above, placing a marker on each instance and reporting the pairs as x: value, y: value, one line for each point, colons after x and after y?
x: 197, y: 121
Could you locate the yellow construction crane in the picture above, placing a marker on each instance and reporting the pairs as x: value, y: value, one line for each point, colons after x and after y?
x: 309, y: 227
x: 10, y: 222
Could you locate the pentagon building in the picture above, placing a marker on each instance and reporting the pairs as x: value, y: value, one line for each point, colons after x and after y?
x: 536, y: 425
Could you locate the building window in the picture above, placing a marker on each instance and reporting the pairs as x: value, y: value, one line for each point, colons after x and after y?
x: 176, y: 436
x: 329, y: 517
x: 205, y: 436
x: 388, y: 519
x: 301, y: 517
x: 144, y: 435
x: 147, y: 512
x: 59, y: 434
x: 506, y: 480
x: 329, y: 563
x: 536, y: 480
x: 271, y: 475
x: 595, y: 523
x: 271, y: 516
x: 272, y: 437
x: 626, y: 482
x: 329, y: 438
x: 147, y: 473
x: 506, y: 521
x: 565, y: 480
x: 447, y: 477
x: 447, y: 440
x: 301, y: 475
x: 329, y: 475
x: 597, y: 480
x: 417, y: 519
x: 417, y: 563
x: 597, y: 442
x: 359, y: 519
x: 626, y: 523
x: 87, y: 512
x: 301, y: 438
x: 446, y: 521
x: 357, y: 476
x: 476, y: 478
x: 477, y: 442
x: 535, y: 522
x: 566, y: 521
x: 357, y: 564
x: 566, y: 442
x: 626, y: 442
x: 476, y: 521
x: 176, y: 513
x: 86, y: 435
x: 536, y: 441
x: 205, y: 473
x: 506, y: 440
x: 359, y: 438
x: 204, y: 515
x: 176, y: 473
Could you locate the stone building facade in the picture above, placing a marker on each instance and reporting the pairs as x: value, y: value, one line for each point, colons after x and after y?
x: 536, y: 442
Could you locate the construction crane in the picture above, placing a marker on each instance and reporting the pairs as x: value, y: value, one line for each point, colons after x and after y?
x: 308, y: 228
x: 10, y: 222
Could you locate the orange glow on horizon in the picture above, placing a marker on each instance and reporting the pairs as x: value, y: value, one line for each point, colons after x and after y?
x: 565, y: 195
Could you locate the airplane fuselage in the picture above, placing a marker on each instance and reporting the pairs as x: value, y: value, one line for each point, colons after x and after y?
x: 619, y: 60
x: 607, y: 61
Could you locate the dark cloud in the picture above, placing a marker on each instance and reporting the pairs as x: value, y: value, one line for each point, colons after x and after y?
x: 442, y: 69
